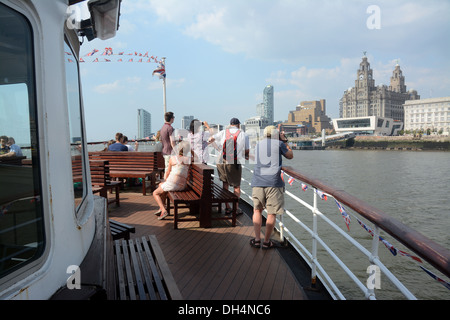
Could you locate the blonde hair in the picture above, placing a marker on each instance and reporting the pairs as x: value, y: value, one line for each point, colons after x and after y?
x: 269, y: 131
x: 183, y: 148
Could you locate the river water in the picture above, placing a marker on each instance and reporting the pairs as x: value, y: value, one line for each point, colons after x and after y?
x: 410, y: 186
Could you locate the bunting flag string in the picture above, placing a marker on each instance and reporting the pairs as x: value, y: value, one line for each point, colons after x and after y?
x: 321, y: 194
x: 109, y: 52
x: 291, y: 181
x: 344, y: 214
x: 386, y: 243
x: 435, y: 277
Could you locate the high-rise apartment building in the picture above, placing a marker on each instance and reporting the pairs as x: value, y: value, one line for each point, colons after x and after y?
x: 267, y: 107
x: 144, y: 124
x: 366, y: 99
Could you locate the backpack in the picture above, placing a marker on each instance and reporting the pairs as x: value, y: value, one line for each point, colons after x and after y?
x: 229, y: 150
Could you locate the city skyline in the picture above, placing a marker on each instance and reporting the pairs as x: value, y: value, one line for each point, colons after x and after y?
x: 220, y: 55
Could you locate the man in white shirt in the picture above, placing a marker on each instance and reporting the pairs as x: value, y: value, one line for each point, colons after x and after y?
x: 236, y: 147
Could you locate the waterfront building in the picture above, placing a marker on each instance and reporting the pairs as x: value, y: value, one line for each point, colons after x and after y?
x: 365, y: 99
x: 144, y: 124
x: 432, y: 114
x: 371, y: 125
x: 311, y: 115
x: 255, y: 125
x: 296, y: 129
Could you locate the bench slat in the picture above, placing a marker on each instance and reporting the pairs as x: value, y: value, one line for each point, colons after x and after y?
x: 175, y: 293
x: 139, y: 283
x: 143, y: 272
x: 120, y: 274
x: 154, y: 270
x: 128, y: 272
x: 146, y: 270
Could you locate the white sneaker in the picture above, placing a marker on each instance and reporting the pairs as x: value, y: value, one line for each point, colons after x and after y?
x: 163, y: 215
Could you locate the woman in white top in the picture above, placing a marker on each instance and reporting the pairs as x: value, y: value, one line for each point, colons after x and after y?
x: 199, y: 140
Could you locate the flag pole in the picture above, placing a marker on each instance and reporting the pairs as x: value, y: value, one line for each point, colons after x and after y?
x: 164, y: 87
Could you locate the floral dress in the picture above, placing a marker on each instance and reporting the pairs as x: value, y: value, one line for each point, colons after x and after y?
x: 178, y: 176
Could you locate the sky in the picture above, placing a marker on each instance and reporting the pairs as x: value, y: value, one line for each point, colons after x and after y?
x: 220, y: 55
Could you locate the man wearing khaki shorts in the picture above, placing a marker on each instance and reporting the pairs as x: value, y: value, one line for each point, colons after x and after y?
x: 267, y: 185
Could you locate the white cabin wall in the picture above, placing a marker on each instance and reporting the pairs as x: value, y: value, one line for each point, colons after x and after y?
x: 68, y: 240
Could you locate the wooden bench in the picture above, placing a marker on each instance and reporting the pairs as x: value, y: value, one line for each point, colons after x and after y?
x: 142, y: 271
x: 101, y: 180
x: 120, y: 230
x: 200, y: 196
x: 12, y: 161
x: 125, y: 165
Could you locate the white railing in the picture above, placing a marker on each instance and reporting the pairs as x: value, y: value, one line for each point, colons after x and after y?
x: 319, y: 268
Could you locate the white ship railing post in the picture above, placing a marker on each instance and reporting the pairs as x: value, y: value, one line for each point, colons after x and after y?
x: 314, y: 244
x: 373, y: 280
x: 281, y: 224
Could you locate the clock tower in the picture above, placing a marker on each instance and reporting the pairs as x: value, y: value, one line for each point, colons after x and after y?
x: 397, y: 80
x: 364, y: 75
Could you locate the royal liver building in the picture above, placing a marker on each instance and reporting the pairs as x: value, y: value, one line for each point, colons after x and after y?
x: 366, y: 99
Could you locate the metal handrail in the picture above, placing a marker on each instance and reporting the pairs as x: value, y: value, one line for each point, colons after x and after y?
x: 434, y: 253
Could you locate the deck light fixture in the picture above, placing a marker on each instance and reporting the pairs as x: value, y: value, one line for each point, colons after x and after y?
x: 104, y: 21
x: 105, y: 17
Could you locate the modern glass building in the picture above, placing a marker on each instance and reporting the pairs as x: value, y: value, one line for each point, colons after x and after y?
x: 144, y: 124
x: 371, y: 125
x: 268, y: 104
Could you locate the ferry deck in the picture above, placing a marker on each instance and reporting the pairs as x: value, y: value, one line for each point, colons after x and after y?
x: 218, y: 263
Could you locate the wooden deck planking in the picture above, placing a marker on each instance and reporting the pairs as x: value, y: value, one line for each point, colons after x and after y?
x: 215, y: 263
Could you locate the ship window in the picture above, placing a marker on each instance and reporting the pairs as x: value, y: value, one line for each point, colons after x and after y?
x: 75, y: 126
x: 22, y: 237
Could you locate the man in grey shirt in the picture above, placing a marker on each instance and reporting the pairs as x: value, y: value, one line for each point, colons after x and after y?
x: 267, y: 185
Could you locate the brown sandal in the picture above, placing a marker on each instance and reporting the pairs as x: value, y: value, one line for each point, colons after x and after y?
x: 268, y: 245
x: 255, y: 243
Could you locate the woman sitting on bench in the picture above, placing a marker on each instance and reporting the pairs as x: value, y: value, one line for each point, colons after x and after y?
x: 175, y: 176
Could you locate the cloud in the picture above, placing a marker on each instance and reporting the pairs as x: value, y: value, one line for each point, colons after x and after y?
x: 134, y: 80
x: 411, y: 13
x: 107, y: 87
x: 170, y: 83
x: 294, y: 31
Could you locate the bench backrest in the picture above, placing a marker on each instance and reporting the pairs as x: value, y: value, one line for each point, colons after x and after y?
x: 99, y: 172
x: 128, y: 161
x: 199, y: 179
x: 77, y: 168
